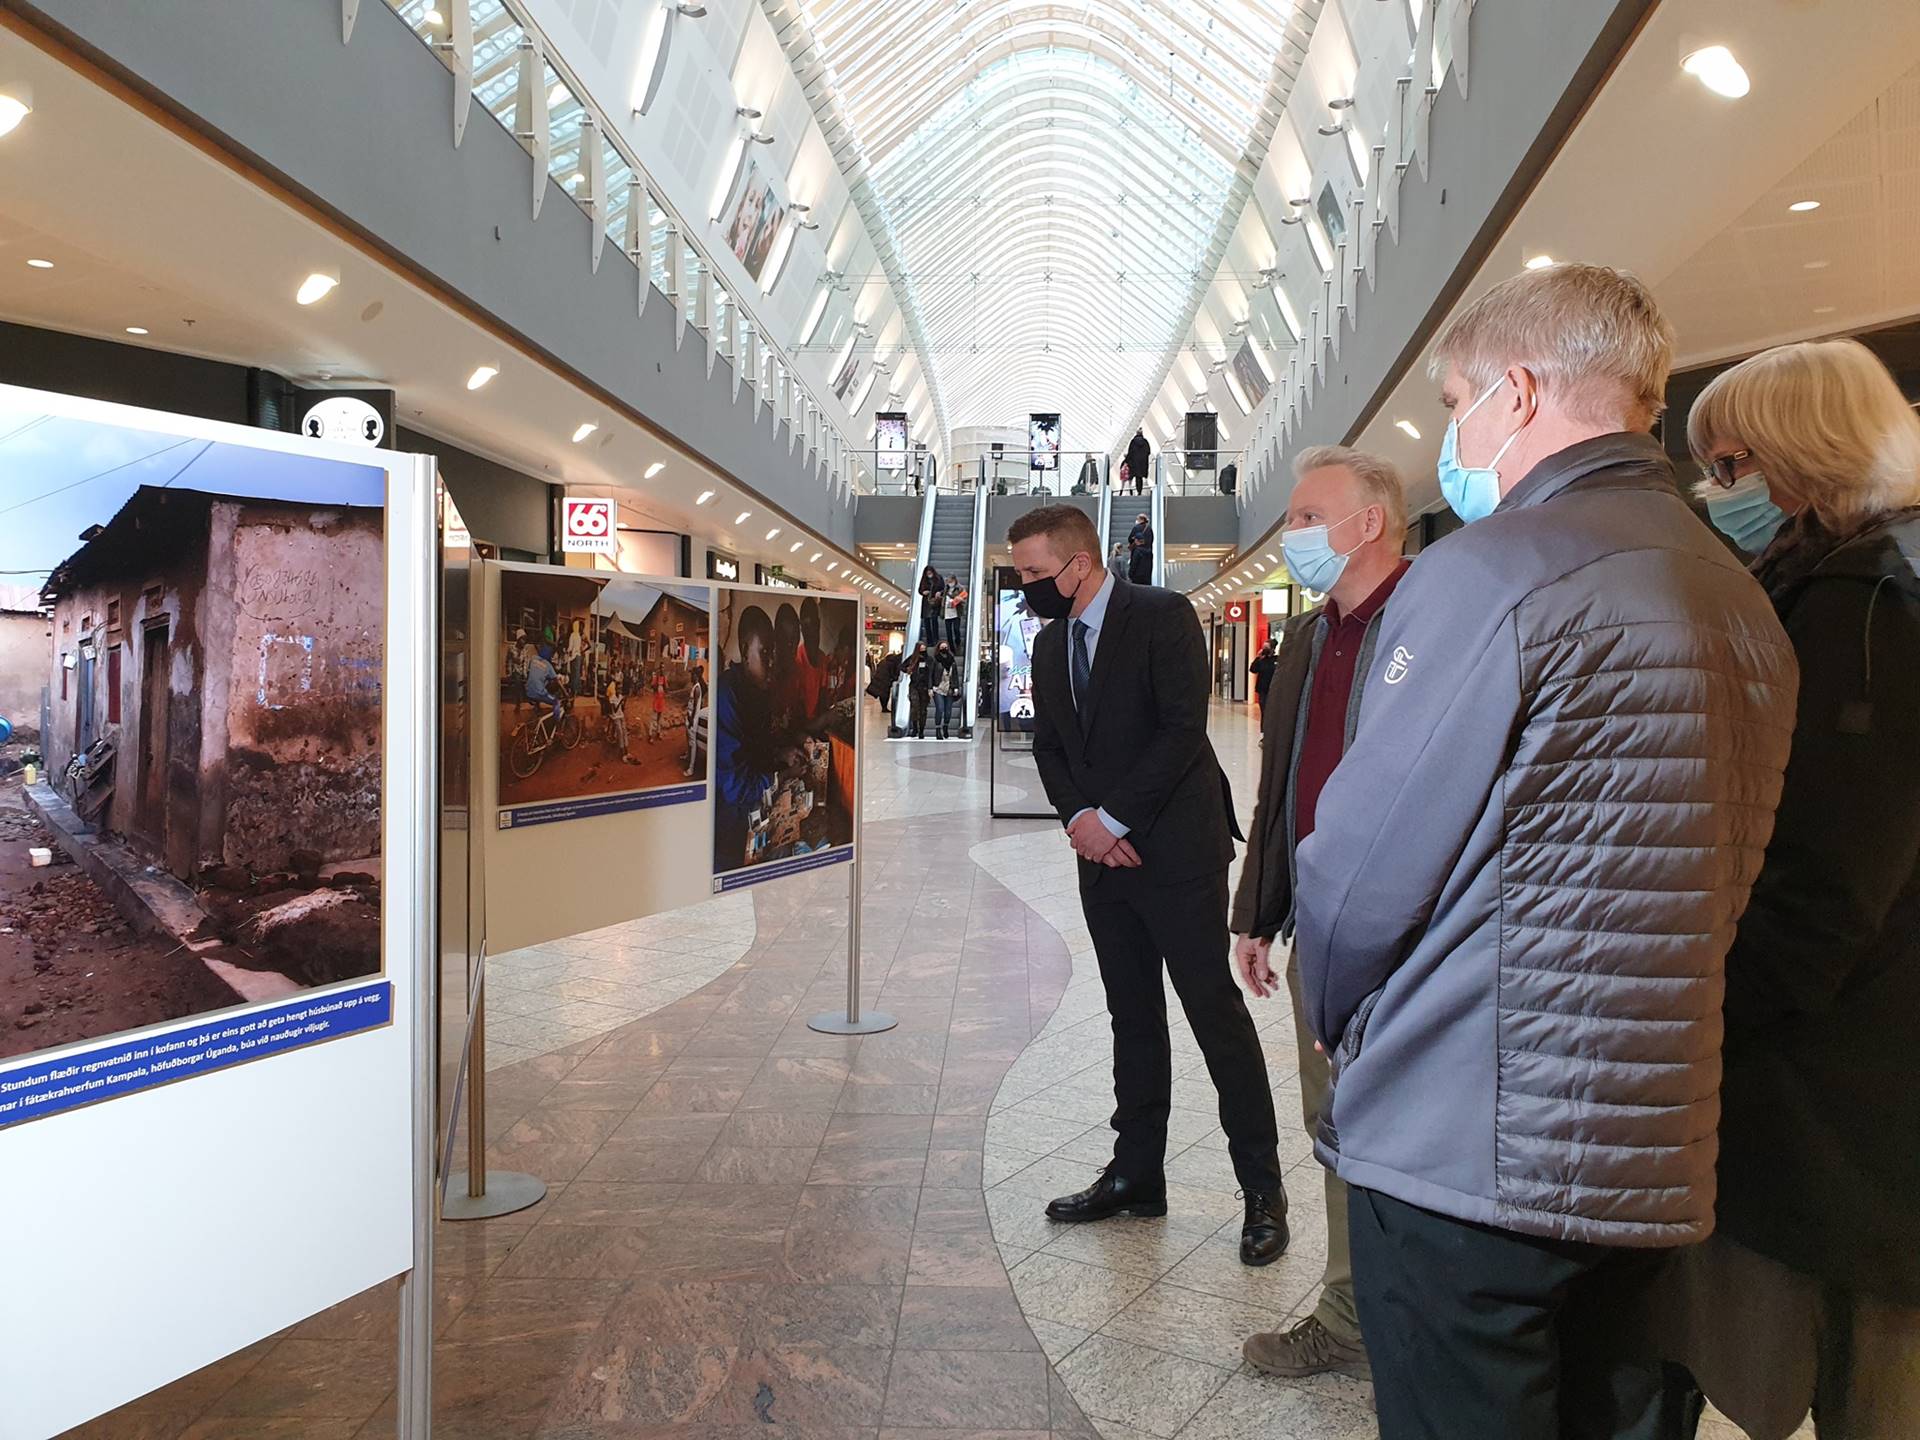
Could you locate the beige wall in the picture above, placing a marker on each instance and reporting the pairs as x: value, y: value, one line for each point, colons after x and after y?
x: 26, y: 662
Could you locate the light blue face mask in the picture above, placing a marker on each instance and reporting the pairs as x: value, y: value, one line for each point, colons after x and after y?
x: 1745, y: 513
x: 1311, y: 560
x: 1473, y: 494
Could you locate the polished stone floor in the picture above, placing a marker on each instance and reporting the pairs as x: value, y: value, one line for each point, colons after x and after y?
x: 755, y: 1230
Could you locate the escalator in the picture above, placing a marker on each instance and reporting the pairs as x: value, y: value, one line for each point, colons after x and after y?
x: 952, y: 533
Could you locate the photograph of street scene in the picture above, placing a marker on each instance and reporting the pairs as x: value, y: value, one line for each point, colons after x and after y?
x: 603, y: 685
x: 191, y: 655
x: 783, y: 727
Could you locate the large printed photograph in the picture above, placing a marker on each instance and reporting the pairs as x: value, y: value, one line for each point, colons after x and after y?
x: 784, y: 764
x: 192, y: 641
x: 603, y: 687
x: 755, y: 216
x: 1018, y: 628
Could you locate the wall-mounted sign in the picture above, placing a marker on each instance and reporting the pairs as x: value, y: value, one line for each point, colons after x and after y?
x: 344, y: 418
x: 775, y: 577
x: 722, y: 566
x: 1236, y: 611
x: 587, y: 526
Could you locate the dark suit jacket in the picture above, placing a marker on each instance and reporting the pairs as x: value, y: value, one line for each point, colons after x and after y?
x: 1138, y: 746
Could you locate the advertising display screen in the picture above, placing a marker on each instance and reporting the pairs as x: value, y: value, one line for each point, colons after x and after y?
x: 1253, y: 379
x: 603, y: 691
x: 1018, y: 627
x: 784, y: 737
x: 1043, y: 442
x: 753, y: 216
x: 890, y: 440
x: 1203, y: 439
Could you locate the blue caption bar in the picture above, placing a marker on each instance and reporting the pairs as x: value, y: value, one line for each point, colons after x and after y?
x: 123, y: 1067
x: 521, y: 816
x: 780, y: 869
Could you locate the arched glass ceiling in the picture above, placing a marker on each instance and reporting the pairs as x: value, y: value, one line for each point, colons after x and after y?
x: 1049, y: 178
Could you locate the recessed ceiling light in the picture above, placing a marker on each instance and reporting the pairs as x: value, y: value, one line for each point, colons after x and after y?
x: 774, y: 533
x: 13, y: 109
x: 705, y: 495
x: 481, y: 375
x: 1408, y: 428
x: 816, y: 558
x: 833, y: 566
x: 795, y: 547
x: 1816, y: 264
x: 314, y: 288
x: 1801, y: 207
x: 741, y: 518
x: 657, y: 466
x: 584, y: 429
x: 1274, y: 558
x: 1540, y: 262
x: 1824, y: 309
x: 1715, y: 68
x: 41, y: 264
x: 137, y: 330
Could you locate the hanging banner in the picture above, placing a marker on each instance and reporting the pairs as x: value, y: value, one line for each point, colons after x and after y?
x: 784, y: 735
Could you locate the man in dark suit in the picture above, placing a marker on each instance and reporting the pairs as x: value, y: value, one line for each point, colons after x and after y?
x: 1120, y: 684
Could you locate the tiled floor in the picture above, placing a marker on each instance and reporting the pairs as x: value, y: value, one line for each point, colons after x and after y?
x: 755, y: 1230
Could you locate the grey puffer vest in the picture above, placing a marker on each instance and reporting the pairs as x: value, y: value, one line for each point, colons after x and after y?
x: 1517, y: 902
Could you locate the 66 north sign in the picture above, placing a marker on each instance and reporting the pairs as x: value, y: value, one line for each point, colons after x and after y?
x: 587, y: 526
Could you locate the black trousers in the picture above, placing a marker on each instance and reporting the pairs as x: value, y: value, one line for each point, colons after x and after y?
x: 1136, y: 929
x: 1476, y: 1332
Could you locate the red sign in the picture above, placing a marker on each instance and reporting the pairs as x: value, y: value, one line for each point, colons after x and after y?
x: 587, y: 526
x: 1236, y: 611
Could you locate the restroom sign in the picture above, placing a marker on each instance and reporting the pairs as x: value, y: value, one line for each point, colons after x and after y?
x: 586, y: 526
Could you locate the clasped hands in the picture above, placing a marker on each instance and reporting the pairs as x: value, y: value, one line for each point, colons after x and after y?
x: 1094, y: 842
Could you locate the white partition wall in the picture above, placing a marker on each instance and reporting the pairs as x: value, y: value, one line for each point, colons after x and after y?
x: 174, y: 1191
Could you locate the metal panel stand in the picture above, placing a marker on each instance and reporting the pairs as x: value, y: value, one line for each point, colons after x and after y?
x: 481, y: 1194
x: 853, y: 1022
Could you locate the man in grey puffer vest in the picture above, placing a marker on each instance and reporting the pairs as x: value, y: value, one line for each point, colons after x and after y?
x: 1524, y: 877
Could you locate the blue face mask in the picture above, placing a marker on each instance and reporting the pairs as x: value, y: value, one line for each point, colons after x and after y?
x: 1745, y: 513
x: 1473, y: 494
x: 1311, y: 560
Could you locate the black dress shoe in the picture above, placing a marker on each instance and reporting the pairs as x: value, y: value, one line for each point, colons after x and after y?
x: 1111, y: 1195
x: 1263, y: 1238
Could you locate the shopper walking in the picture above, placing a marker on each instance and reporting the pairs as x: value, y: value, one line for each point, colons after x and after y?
x: 1139, y: 461
x: 1262, y: 667
x: 1346, y: 518
x: 1140, y: 552
x: 933, y: 591
x: 1809, y: 1291
x: 1120, y: 740
x: 1522, y: 880
x: 919, y: 691
x: 947, y: 684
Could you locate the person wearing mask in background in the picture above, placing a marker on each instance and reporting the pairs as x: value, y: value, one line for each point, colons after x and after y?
x: 933, y: 592
x: 1139, y: 461
x: 1140, y: 552
x: 1120, y: 739
x: 880, y: 685
x: 1809, y: 1290
x: 1514, y: 909
x: 1262, y: 670
x: 950, y: 604
x: 1346, y: 519
x: 919, y: 691
x: 946, y: 685
x: 1117, y: 562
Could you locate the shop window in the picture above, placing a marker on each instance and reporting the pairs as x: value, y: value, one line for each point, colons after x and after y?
x: 113, y: 683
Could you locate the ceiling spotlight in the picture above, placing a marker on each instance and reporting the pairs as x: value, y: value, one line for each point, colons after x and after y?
x: 1801, y: 207
x: 1408, y: 428
x: 657, y: 466
x: 137, y: 330
x: 806, y: 224
x: 1345, y: 102
x: 741, y: 518
x: 760, y: 137
x: 774, y: 533
x: 15, y: 106
x: 746, y: 112
x: 1338, y: 127
x: 1715, y: 68
x: 692, y: 12
x: 1540, y: 262
x: 41, y: 264
x: 315, y: 287
x: 481, y: 375
x: 705, y: 496
x: 585, y: 429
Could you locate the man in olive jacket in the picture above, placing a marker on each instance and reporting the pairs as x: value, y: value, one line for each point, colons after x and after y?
x: 1515, y: 908
x: 1345, y: 526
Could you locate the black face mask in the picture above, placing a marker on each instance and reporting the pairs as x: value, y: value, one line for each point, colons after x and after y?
x: 1044, y: 597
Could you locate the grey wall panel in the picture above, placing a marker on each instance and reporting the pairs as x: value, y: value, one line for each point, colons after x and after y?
x: 365, y: 131
x: 500, y: 505
x: 888, y: 520
x: 1535, y: 64
x: 122, y: 374
x: 1003, y: 510
x: 1200, y: 519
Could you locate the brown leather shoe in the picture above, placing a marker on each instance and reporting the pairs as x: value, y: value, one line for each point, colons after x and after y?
x: 1309, y: 1348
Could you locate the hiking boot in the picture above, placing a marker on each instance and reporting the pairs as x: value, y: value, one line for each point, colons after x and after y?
x: 1309, y: 1348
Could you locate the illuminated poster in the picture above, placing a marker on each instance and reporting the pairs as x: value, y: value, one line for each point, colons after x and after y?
x: 784, y: 760
x: 1043, y: 442
x: 604, y: 682
x: 890, y: 440
x: 1018, y: 628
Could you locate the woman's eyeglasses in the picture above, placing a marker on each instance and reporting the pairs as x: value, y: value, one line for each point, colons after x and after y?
x: 1720, y: 469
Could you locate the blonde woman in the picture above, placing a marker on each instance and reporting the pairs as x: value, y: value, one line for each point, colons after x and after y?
x: 1809, y: 1292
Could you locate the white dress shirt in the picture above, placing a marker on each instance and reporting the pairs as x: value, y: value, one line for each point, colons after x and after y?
x: 1094, y: 617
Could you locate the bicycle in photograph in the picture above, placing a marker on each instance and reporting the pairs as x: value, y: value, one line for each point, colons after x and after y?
x: 532, y: 739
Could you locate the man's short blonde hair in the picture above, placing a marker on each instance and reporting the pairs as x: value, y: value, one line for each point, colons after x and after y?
x: 1592, y: 337
x: 1825, y: 422
x: 1378, y: 479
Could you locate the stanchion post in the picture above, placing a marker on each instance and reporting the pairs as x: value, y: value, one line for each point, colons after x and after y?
x: 853, y: 1022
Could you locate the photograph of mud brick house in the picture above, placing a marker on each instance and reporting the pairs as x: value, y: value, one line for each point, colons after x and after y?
x: 207, y: 826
